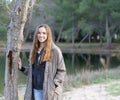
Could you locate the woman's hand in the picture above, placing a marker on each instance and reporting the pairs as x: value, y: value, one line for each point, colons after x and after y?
x: 19, y: 64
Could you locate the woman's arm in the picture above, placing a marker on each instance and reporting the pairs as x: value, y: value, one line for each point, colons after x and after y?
x: 60, y: 72
x: 21, y: 68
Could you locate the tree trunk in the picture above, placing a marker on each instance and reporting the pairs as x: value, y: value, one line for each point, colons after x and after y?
x: 29, y: 21
x: 60, y: 32
x: 84, y: 38
x: 14, y: 41
x: 100, y: 39
x: 73, y: 36
x: 73, y: 60
x: 89, y: 38
x: 88, y: 62
x: 108, y: 37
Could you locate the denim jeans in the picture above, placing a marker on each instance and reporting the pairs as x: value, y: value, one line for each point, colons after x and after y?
x: 38, y: 94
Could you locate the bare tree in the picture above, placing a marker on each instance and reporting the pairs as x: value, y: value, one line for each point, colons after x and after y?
x: 29, y: 20
x: 14, y: 42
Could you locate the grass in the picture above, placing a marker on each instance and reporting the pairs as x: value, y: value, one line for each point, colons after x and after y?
x: 113, y: 89
x: 87, y: 44
x: 79, y: 44
x: 21, y: 91
x: 95, y: 77
x: 2, y: 43
x: 21, y: 97
x: 91, y: 77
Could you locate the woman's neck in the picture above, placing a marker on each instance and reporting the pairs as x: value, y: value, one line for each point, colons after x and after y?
x: 41, y: 46
x: 39, y: 50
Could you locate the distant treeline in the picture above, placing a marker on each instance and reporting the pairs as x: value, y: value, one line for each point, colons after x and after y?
x: 70, y: 20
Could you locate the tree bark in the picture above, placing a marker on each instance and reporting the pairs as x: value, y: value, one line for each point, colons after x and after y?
x: 14, y: 42
x: 108, y: 37
x: 29, y: 21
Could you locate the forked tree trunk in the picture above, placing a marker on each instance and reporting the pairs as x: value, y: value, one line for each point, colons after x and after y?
x: 14, y: 41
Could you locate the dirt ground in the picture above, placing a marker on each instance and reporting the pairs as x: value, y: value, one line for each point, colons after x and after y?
x: 89, y: 92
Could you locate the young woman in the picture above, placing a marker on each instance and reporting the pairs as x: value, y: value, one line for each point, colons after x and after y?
x: 46, y: 70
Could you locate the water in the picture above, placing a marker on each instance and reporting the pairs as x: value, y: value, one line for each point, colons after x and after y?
x: 74, y: 63
x: 2, y: 70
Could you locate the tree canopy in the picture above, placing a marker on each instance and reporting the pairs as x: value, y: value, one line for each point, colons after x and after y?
x: 74, y: 18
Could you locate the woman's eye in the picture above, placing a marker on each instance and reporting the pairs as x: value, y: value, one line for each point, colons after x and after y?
x: 44, y: 33
x: 41, y: 33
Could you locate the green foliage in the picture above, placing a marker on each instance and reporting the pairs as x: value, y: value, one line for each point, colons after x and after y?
x: 4, y: 19
x: 3, y: 32
x: 115, y: 15
x: 86, y: 15
x: 36, y: 9
x: 86, y: 27
x: 93, y: 13
x: 65, y: 16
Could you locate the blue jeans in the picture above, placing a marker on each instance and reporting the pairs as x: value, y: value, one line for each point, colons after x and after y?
x: 38, y: 94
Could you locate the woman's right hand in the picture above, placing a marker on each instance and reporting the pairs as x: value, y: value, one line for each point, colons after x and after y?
x: 19, y: 64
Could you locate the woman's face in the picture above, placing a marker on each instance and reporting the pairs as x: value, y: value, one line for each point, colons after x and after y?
x: 42, y: 35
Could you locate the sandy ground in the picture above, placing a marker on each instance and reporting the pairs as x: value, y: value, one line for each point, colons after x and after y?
x: 88, y: 92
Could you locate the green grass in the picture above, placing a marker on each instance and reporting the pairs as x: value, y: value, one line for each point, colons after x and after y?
x: 113, y: 89
x: 2, y: 43
x: 78, y: 44
x: 92, y: 77
x: 84, y: 45
x: 2, y: 70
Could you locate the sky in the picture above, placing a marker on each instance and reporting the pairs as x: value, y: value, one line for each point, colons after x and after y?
x: 9, y: 0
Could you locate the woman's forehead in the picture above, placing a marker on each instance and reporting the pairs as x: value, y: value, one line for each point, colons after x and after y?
x: 42, y: 29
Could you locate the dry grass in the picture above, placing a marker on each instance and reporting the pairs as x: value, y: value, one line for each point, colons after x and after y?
x: 91, y: 77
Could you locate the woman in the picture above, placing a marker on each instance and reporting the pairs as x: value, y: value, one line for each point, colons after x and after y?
x: 46, y: 70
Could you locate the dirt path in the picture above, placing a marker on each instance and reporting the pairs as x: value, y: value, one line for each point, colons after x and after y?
x: 89, y: 92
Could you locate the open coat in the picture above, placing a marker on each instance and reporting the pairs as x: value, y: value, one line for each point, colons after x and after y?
x: 53, y: 77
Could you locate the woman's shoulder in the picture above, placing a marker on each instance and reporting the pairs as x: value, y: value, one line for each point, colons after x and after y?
x: 56, y: 48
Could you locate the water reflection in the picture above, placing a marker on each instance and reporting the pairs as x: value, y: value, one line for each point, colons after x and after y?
x: 2, y: 70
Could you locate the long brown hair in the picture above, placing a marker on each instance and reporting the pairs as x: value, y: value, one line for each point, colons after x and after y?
x: 46, y: 55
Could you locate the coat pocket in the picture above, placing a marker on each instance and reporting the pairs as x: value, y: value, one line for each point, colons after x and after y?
x: 57, y: 96
x: 58, y: 90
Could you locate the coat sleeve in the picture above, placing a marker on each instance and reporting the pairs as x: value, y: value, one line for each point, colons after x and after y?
x: 25, y: 70
x: 61, y: 69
